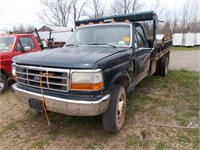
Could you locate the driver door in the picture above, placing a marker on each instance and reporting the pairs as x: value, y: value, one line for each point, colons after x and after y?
x: 142, y: 60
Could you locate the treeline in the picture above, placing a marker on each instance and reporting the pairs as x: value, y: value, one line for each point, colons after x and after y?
x: 65, y: 12
x: 23, y: 29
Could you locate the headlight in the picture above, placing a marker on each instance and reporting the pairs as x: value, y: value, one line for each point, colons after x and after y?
x: 14, y: 71
x: 87, y: 80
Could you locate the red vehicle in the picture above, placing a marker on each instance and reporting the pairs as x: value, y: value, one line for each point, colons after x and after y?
x: 12, y: 45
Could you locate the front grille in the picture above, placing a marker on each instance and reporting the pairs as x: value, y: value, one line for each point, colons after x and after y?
x: 52, y: 79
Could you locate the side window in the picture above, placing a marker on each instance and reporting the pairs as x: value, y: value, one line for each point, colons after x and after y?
x: 19, y: 48
x: 140, y: 37
x: 27, y: 41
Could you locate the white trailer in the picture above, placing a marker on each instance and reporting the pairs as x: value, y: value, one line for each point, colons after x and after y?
x: 189, y: 39
x: 177, y: 39
x: 197, y: 39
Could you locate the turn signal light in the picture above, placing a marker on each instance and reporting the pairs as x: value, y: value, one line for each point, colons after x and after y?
x: 87, y: 86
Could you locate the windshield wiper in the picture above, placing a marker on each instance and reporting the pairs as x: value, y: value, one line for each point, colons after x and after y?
x: 71, y: 45
x: 102, y: 44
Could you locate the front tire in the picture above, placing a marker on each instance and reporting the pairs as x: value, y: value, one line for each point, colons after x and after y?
x: 3, y: 83
x: 113, y: 117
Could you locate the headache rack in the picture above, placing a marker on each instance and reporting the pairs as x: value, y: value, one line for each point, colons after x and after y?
x: 142, y: 16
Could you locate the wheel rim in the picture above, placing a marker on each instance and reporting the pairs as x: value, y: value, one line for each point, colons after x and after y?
x: 121, y: 109
x: 1, y: 84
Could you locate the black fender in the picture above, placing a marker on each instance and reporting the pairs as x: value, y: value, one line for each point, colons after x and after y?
x: 122, y: 78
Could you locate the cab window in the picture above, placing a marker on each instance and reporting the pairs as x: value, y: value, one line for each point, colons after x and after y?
x: 25, y: 41
x: 117, y: 35
x: 140, y: 37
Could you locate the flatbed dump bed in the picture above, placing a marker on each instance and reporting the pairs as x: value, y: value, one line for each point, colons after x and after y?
x: 163, y: 50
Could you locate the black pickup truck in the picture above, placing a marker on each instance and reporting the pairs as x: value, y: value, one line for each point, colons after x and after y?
x: 104, y: 59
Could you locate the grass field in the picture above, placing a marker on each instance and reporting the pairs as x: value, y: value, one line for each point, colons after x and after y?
x: 186, y: 48
x: 162, y: 113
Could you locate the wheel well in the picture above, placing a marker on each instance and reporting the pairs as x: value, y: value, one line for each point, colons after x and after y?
x: 4, y: 73
x: 124, y: 81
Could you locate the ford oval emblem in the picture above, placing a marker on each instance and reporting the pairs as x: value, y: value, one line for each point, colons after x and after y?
x: 36, y: 78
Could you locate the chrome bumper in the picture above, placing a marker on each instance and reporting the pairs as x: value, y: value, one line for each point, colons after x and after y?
x: 65, y: 106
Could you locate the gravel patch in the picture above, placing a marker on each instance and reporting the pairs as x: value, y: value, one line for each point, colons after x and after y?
x: 188, y: 60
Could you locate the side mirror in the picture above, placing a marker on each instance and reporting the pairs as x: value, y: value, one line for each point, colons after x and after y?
x: 27, y: 48
x: 159, y: 41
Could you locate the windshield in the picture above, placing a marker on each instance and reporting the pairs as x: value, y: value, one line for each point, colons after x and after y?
x: 115, y: 35
x: 6, y: 43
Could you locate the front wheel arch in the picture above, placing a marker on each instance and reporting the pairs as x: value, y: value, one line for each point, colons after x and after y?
x: 122, y: 78
x: 2, y: 71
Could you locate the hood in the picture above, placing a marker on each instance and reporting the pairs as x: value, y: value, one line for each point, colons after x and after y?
x: 68, y: 57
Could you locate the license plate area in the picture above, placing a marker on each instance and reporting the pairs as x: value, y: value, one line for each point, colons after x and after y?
x: 36, y: 105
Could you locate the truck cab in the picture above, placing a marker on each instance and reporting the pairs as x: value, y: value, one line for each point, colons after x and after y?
x: 12, y: 45
x: 104, y: 59
x: 125, y: 37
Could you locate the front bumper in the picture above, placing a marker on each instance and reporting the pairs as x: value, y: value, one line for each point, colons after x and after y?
x: 65, y: 106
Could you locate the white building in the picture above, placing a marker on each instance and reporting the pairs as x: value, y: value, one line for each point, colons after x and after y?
x: 189, y: 39
x: 197, y: 39
x: 177, y: 39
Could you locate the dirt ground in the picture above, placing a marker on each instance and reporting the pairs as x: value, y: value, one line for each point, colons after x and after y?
x: 189, y: 60
x: 153, y: 103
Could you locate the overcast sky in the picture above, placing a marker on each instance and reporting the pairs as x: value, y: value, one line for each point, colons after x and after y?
x: 16, y: 12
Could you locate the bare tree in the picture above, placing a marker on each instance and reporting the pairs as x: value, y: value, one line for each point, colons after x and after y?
x: 184, y: 21
x: 166, y: 28
x: 30, y: 28
x: 125, y: 6
x: 160, y: 9
x: 163, y: 27
x: 56, y: 13
x: 190, y: 16
x: 194, y: 15
x: 174, y: 23
x: 77, y: 10
x: 98, y: 10
x: 95, y: 9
